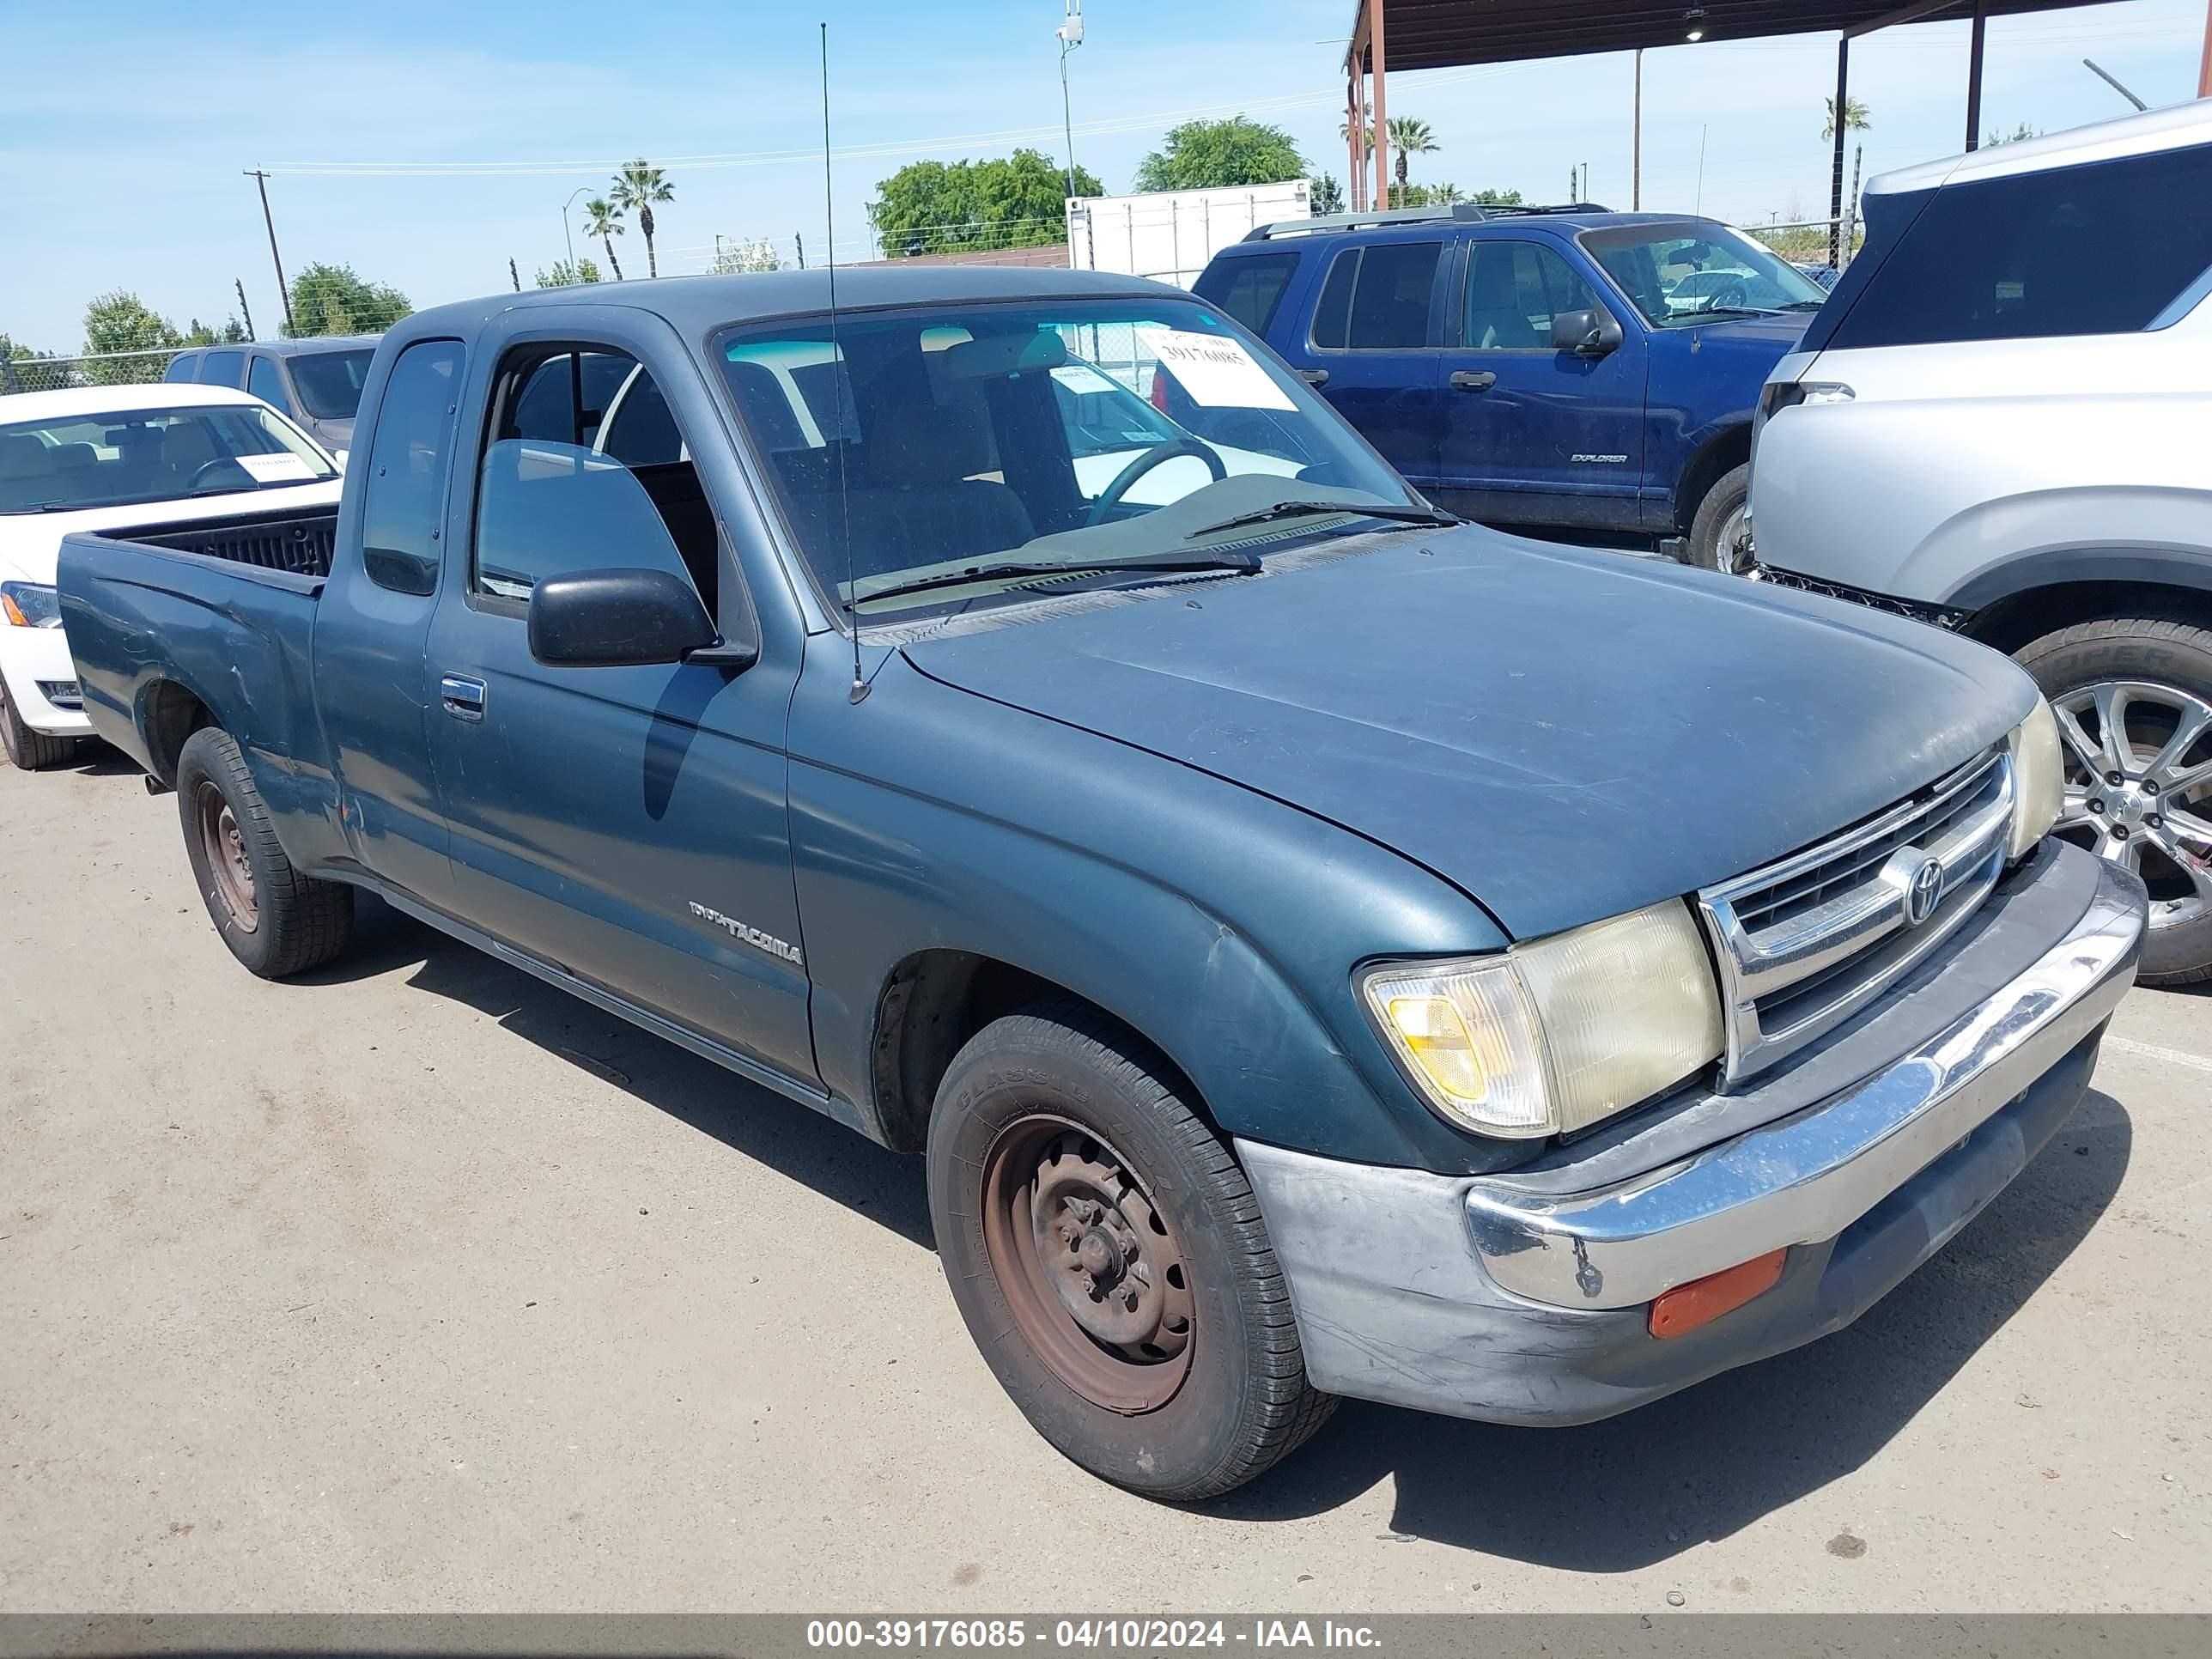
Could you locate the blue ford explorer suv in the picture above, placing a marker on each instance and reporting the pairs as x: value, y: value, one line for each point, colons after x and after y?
x: 1550, y: 366
x: 1318, y: 947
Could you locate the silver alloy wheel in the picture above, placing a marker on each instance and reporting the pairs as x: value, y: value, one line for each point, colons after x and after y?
x: 1732, y: 550
x: 2139, y: 788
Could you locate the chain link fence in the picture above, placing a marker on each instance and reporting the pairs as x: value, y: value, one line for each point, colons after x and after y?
x: 43, y: 373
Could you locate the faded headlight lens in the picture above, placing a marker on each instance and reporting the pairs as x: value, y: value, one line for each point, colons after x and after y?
x: 1557, y: 1033
x: 29, y: 605
x: 2039, y: 779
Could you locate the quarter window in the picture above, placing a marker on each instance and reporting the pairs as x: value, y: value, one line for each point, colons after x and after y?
x: 408, y: 456
x: 263, y: 380
x: 222, y: 369
x: 1251, y: 289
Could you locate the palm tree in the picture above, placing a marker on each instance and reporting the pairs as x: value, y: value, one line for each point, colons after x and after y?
x: 602, y: 219
x: 1856, y: 118
x: 1366, y: 129
x: 640, y: 186
x: 1410, y: 135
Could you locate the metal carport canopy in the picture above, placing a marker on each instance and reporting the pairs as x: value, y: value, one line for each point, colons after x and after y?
x: 1417, y: 35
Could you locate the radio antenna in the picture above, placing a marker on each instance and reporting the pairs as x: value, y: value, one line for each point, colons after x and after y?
x: 838, y: 377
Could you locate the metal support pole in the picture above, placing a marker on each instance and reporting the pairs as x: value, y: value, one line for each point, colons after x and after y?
x: 1636, y: 143
x: 1974, y: 76
x: 1836, y: 175
x: 283, y: 293
x: 1382, y: 107
x: 2204, y: 69
x: 1355, y: 139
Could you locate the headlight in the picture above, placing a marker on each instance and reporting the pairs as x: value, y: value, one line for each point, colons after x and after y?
x: 2039, y: 779
x: 1557, y: 1033
x: 29, y: 605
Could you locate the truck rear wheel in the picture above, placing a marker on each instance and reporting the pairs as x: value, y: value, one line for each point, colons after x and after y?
x: 2133, y: 701
x: 276, y: 922
x: 1110, y: 1261
x: 29, y: 751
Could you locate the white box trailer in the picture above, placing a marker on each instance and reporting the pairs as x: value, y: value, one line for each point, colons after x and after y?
x: 1169, y: 235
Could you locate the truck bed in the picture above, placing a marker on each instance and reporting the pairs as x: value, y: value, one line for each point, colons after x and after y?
x: 299, y: 543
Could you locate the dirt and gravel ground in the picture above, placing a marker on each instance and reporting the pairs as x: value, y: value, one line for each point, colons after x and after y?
x: 422, y: 1286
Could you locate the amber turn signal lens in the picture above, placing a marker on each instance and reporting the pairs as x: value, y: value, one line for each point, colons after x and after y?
x: 1701, y: 1301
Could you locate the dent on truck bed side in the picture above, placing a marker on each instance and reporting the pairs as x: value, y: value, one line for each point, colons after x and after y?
x: 142, y: 619
x: 928, y: 818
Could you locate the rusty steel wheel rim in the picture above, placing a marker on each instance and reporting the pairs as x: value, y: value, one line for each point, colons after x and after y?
x: 1092, y: 1271
x: 230, y: 874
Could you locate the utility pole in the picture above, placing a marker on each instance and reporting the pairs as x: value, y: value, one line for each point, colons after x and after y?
x: 238, y: 282
x: 261, y: 179
x: 1636, y: 142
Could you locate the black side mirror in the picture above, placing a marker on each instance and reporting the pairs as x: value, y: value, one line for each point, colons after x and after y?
x: 612, y: 618
x: 1590, y: 332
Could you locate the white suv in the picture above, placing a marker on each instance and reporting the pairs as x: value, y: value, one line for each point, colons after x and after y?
x: 2001, y: 422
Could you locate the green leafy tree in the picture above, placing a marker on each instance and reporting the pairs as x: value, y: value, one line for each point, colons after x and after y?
x: 564, y: 275
x: 1366, y: 131
x: 636, y: 188
x: 122, y: 322
x: 328, y: 298
x: 1856, y: 118
x: 232, y: 332
x: 602, y: 219
x: 1409, y: 137
x: 936, y: 207
x: 1328, y: 195
x: 1216, y: 154
x: 2023, y: 131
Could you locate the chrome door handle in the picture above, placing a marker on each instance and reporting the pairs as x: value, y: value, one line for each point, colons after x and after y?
x: 1468, y: 379
x: 463, y: 698
x: 1313, y: 377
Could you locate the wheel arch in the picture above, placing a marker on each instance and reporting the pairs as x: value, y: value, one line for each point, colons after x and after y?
x: 1720, y: 454
x: 2022, y: 599
x: 168, y: 713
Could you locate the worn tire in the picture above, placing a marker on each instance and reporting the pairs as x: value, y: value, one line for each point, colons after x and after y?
x: 1730, y: 492
x: 1242, y: 1401
x: 2163, y: 651
x: 29, y: 750
x: 298, y: 923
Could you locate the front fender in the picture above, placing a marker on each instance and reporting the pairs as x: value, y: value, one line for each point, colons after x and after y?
x: 1222, y: 926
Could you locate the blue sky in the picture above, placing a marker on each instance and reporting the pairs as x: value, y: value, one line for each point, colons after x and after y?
x: 125, y: 127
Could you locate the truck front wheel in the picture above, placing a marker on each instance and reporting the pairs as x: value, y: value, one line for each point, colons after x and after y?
x: 1717, y: 528
x: 1111, y: 1259
x: 2133, y: 701
x: 276, y: 922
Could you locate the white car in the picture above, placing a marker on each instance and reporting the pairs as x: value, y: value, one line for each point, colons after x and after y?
x: 138, y: 457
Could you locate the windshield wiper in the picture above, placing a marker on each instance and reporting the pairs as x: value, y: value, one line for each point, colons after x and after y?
x: 1427, y: 515
x: 984, y: 572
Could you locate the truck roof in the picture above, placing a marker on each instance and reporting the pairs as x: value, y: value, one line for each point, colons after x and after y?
x: 112, y: 399
x: 2177, y: 127
x: 694, y: 305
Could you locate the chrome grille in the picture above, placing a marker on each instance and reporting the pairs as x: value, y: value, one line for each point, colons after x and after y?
x: 1808, y: 941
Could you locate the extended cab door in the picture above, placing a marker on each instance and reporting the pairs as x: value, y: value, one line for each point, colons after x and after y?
x: 1533, y: 434
x: 624, y: 823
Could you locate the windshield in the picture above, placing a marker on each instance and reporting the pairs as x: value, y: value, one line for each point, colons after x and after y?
x: 330, y: 382
x: 1039, y: 432
x: 1677, y: 273
x: 151, y: 455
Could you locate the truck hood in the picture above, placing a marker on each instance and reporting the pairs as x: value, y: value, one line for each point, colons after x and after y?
x: 1563, y: 734
x: 30, y: 543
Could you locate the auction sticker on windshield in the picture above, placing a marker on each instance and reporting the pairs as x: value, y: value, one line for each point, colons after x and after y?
x: 276, y: 469
x: 1216, y: 372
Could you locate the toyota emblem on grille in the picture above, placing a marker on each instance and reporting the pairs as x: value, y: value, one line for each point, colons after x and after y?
x: 1922, y: 894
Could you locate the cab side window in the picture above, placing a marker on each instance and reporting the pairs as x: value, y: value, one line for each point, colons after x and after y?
x: 1514, y: 290
x: 266, y: 381
x: 413, y: 444
x: 586, y: 469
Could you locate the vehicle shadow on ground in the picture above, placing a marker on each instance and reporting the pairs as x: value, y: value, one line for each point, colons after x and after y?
x: 1636, y: 1490
x: 785, y: 1135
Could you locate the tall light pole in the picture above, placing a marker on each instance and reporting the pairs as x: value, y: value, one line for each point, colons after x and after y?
x: 565, y: 236
x: 1636, y: 141
x: 1071, y: 36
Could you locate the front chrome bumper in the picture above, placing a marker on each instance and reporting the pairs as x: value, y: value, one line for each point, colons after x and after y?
x: 1522, y: 1297
x: 1812, y: 1176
